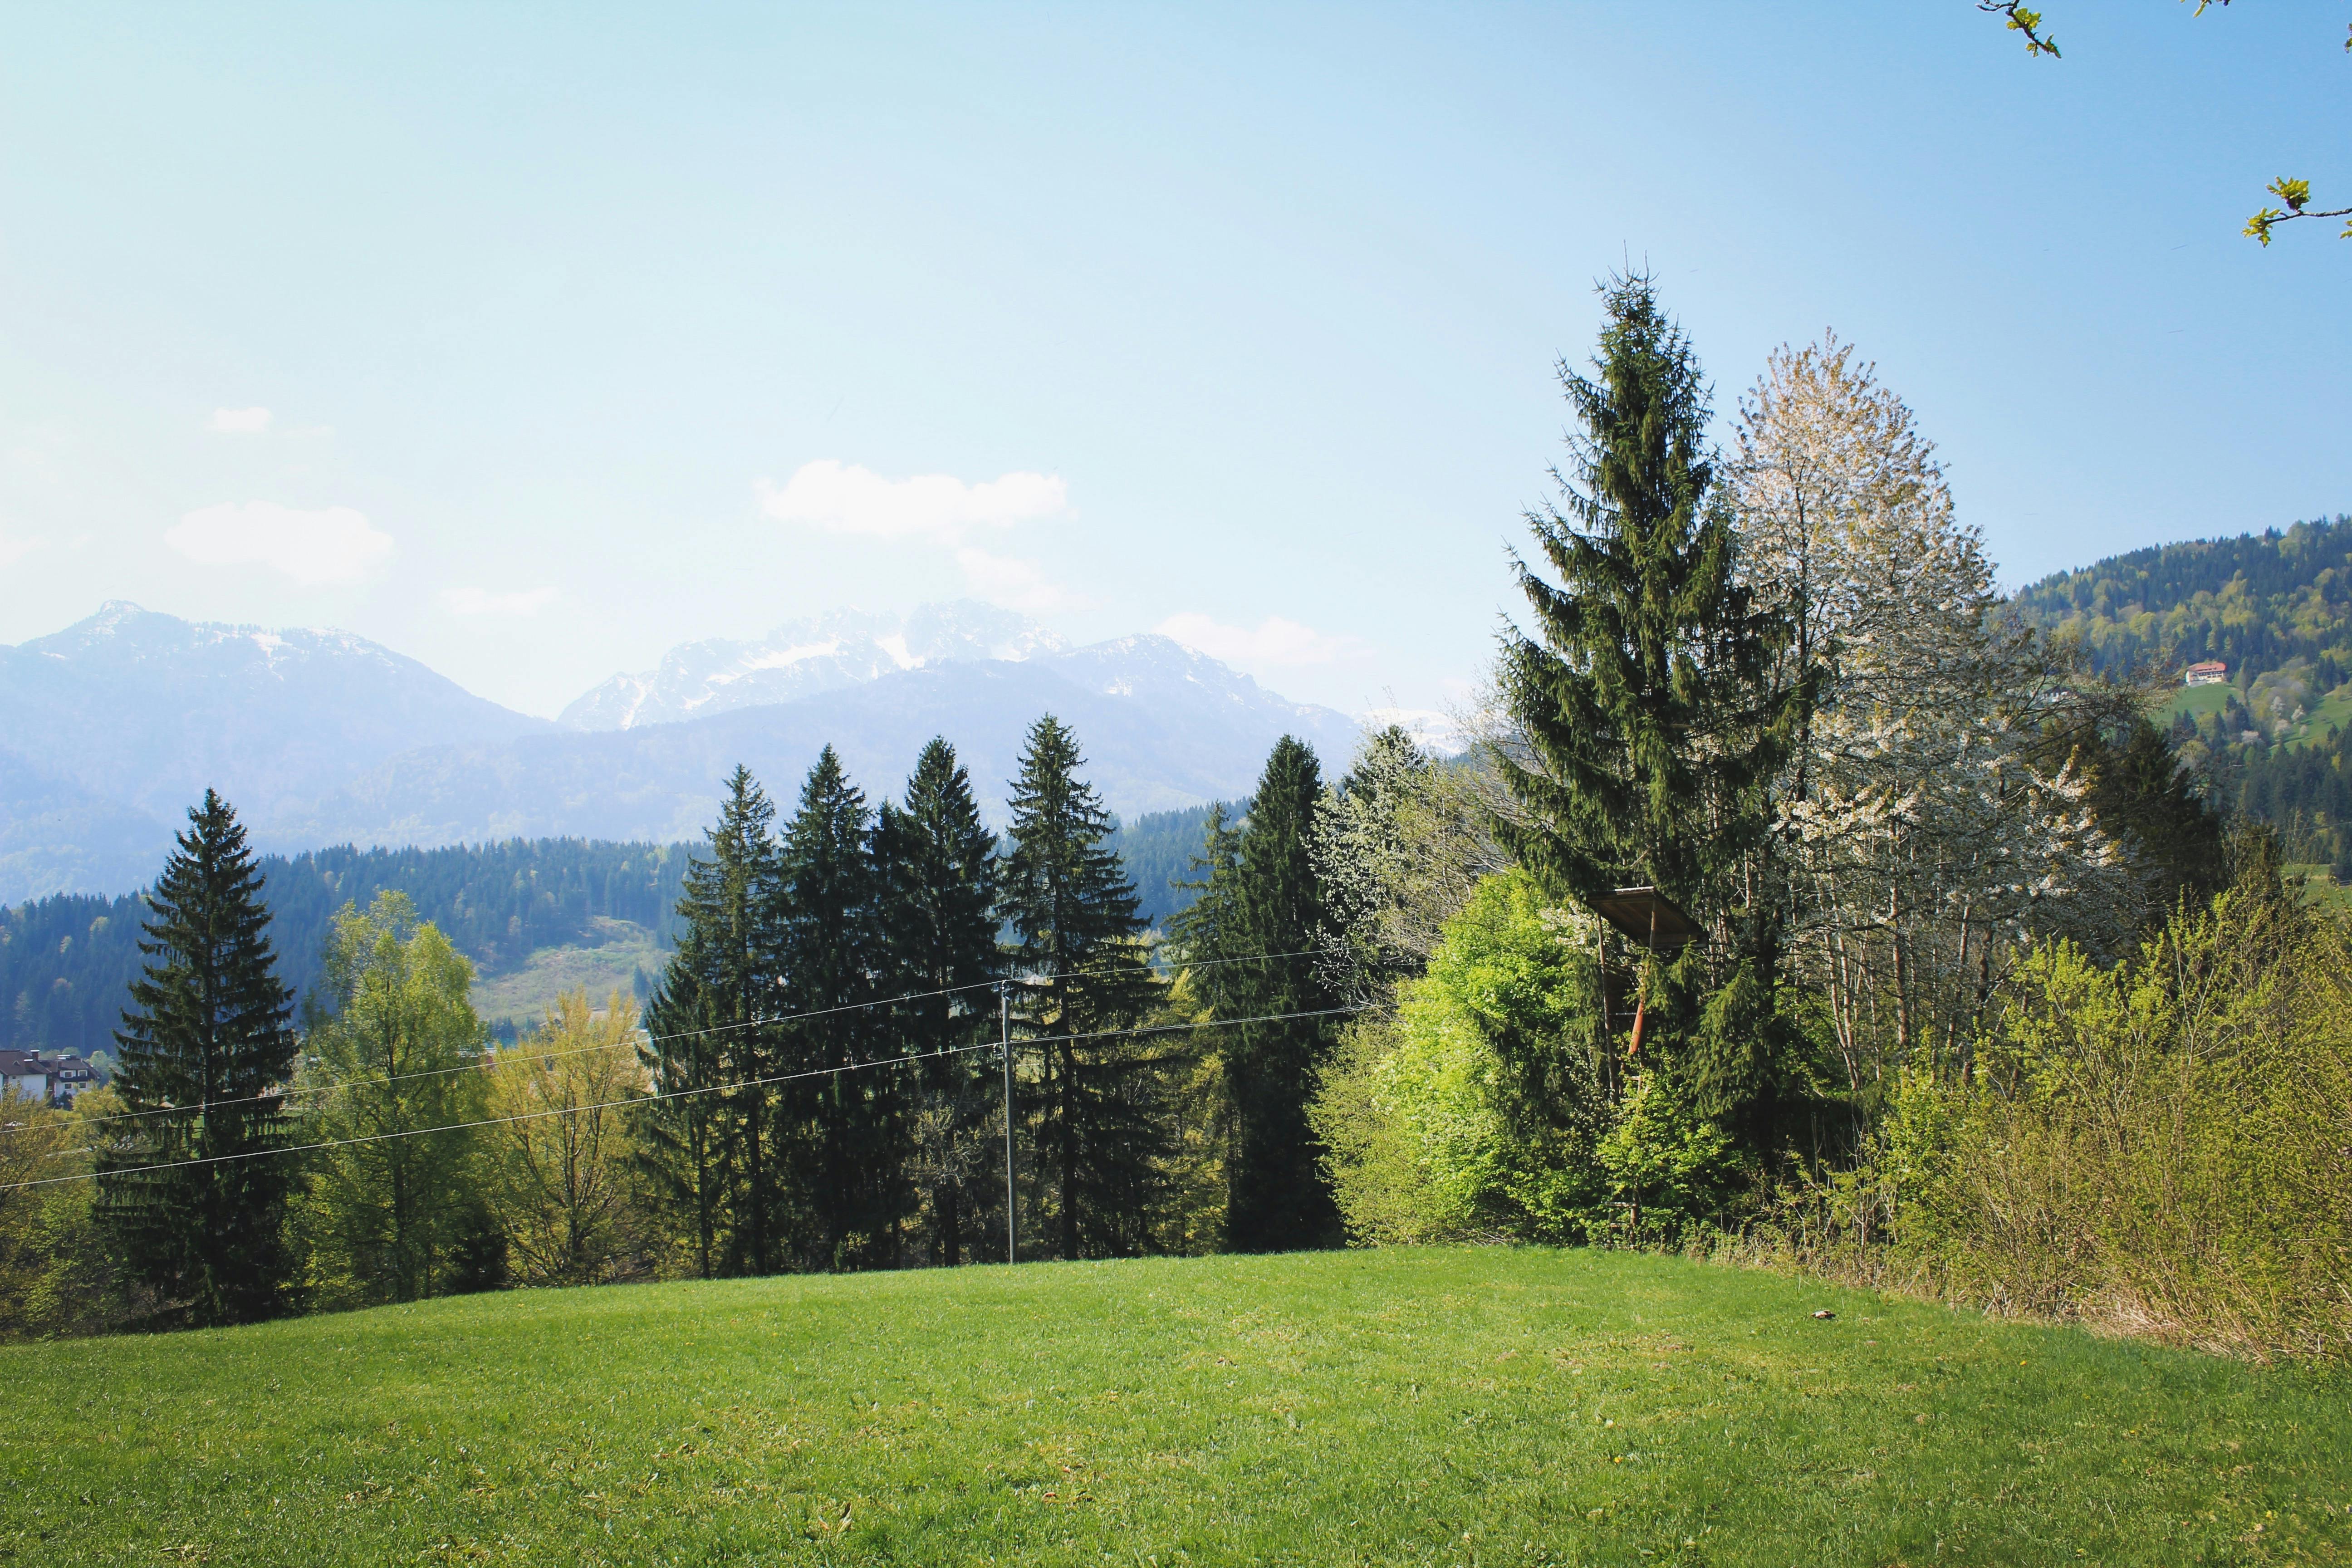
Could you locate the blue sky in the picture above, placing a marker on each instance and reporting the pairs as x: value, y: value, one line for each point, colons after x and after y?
x: 1239, y: 321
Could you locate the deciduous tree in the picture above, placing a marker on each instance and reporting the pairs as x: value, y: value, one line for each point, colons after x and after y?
x: 396, y: 1209
x: 561, y: 1157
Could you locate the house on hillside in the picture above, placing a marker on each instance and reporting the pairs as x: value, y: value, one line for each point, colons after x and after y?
x: 53, y: 1079
x: 2212, y: 672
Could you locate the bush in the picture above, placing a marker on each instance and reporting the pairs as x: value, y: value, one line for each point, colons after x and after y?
x: 1669, y: 1170
x: 2161, y: 1147
x: 1475, y: 1108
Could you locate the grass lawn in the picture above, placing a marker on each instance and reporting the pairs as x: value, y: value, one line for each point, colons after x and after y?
x: 2197, y: 701
x: 1476, y: 1406
x: 2334, y: 712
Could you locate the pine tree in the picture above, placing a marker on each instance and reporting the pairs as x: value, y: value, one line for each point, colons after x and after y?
x: 938, y: 874
x: 712, y: 1047
x: 1651, y: 724
x: 848, y: 1187
x: 204, y: 1046
x: 681, y: 1133
x: 1253, y: 935
x: 1072, y: 911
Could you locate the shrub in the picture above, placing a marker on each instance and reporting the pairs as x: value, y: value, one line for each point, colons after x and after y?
x: 1474, y: 1109
x: 2163, y: 1146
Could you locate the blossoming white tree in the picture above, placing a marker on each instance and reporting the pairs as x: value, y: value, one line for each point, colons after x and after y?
x: 1922, y: 842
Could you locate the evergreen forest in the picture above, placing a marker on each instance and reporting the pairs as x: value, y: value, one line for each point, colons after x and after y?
x: 67, y: 962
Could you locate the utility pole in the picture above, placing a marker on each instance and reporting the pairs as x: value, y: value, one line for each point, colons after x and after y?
x: 1004, y: 1033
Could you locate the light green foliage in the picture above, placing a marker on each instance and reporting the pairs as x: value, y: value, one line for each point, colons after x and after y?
x: 396, y: 1213
x: 56, y: 1277
x: 2155, y: 1146
x: 559, y: 1168
x: 1669, y: 1169
x: 1452, y: 1406
x: 1474, y: 1109
x: 2019, y: 19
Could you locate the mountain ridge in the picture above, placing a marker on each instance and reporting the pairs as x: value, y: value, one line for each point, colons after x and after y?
x: 802, y: 657
x: 321, y: 737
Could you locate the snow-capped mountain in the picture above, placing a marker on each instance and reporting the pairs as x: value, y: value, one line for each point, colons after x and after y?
x: 1160, y: 726
x: 800, y: 659
x: 111, y: 728
x: 150, y: 711
x: 121, y: 721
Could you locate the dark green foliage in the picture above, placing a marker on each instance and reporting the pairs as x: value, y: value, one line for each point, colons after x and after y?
x: 1644, y: 695
x: 496, y: 902
x: 2305, y: 794
x: 2142, y: 797
x: 844, y: 1126
x: 66, y: 967
x: 1157, y: 850
x: 682, y: 1135
x: 715, y: 1151
x: 1647, y: 704
x: 938, y: 866
x: 206, y: 1039
x: 1102, y: 1131
x: 1253, y: 935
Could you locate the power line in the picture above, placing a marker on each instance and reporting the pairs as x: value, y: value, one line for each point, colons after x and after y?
x: 639, y: 1037
x: 661, y: 1095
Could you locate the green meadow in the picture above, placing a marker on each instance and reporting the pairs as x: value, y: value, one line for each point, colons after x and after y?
x: 1447, y: 1406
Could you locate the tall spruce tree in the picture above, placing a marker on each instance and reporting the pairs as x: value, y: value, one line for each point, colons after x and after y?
x: 710, y: 1029
x: 939, y: 879
x: 681, y: 1131
x: 1650, y: 722
x: 845, y: 1127
x: 203, y: 1046
x: 1072, y: 911
x: 1253, y: 934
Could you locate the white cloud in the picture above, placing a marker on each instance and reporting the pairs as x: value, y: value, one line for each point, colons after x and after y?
x: 240, y: 421
x: 1275, y: 641
x: 1016, y: 584
x: 845, y: 498
x: 333, y: 544
x: 13, y: 550
x: 482, y: 601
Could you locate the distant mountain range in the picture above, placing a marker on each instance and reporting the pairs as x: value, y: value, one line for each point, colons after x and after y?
x: 111, y: 727
x: 802, y: 658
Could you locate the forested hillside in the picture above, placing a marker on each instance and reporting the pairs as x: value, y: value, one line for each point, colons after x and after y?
x: 65, y: 962
x: 2276, y: 608
x: 2255, y: 601
x: 1157, y: 850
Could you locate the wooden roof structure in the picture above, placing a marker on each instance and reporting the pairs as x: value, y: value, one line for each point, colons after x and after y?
x: 1649, y: 917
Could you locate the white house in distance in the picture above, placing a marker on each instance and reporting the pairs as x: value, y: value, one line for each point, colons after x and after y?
x: 54, y: 1080
x: 2213, y: 672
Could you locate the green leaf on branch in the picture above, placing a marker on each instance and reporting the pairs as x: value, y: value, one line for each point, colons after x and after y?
x: 2296, y: 194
